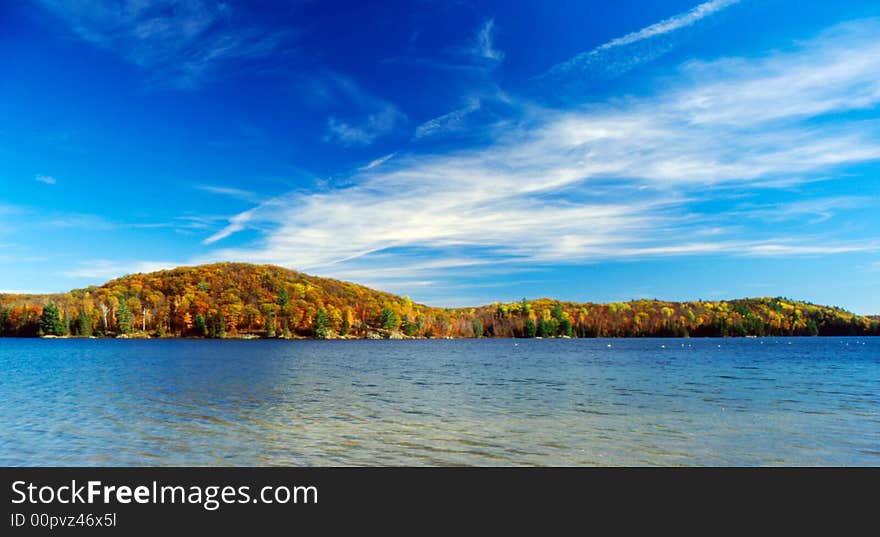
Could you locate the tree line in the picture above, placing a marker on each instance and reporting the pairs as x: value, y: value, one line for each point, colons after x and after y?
x: 243, y: 300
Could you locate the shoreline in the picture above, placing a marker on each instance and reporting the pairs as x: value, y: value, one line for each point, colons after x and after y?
x: 404, y: 337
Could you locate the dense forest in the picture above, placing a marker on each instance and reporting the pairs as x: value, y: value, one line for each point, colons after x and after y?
x: 244, y: 300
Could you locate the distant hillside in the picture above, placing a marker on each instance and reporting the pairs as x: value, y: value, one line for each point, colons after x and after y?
x: 244, y: 300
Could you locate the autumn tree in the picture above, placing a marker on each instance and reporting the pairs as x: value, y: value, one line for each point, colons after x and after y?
x: 410, y: 327
x: 272, y: 300
x: 4, y: 322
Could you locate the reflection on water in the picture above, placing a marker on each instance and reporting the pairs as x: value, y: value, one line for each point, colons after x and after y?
x: 776, y: 401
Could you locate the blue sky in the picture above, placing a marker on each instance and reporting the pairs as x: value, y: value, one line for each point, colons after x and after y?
x: 456, y: 152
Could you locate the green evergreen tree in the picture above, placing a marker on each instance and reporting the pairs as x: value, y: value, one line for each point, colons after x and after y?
x: 547, y: 328
x: 390, y: 321
x: 84, y: 324
x: 283, y: 300
x: 322, y: 324
x: 477, y: 325
x: 50, y: 321
x: 565, y: 328
x: 270, y: 325
x: 216, y: 326
x: 123, y: 318
x: 529, y: 328
x: 411, y: 328
x: 200, y: 325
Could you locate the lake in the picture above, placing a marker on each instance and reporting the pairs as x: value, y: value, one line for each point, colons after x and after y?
x: 764, y: 401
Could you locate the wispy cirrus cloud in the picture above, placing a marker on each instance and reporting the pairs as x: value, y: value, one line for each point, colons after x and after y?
x: 450, y: 122
x: 609, y: 181
x: 236, y: 224
x: 817, y: 210
x: 484, y: 47
x: 237, y: 193
x: 103, y: 269
x: 367, y: 117
x: 677, y: 22
x: 45, y: 179
x: 179, y: 43
x: 365, y: 130
x: 375, y: 163
x: 622, y: 54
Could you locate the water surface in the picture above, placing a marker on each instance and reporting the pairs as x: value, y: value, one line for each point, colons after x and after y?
x: 765, y: 401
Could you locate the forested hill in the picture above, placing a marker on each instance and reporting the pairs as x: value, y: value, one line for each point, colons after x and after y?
x: 244, y: 300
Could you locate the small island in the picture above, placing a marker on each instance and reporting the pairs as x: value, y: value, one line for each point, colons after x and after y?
x: 241, y: 300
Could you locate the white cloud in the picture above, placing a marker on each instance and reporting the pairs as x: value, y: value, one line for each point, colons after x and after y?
x: 236, y: 193
x: 599, y: 182
x: 366, y: 130
x: 178, y: 42
x: 819, y: 210
x: 102, y: 270
x: 453, y: 121
x: 622, y: 54
x: 19, y: 292
x: 378, y: 162
x: 236, y: 224
x: 677, y: 22
x: 773, y: 250
x: 373, y: 118
x: 832, y: 74
x: 46, y: 179
x: 485, y: 47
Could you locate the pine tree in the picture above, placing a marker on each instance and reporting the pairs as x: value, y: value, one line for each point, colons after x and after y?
x: 529, y: 328
x: 322, y: 324
x: 477, y: 325
x: 50, y: 321
x: 200, y: 325
x: 283, y: 301
x: 84, y: 324
x: 216, y: 326
x: 565, y: 328
x: 390, y: 321
x: 547, y: 328
x: 123, y: 318
x: 346, y: 324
